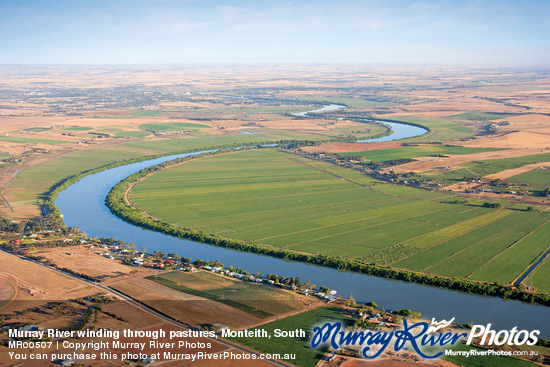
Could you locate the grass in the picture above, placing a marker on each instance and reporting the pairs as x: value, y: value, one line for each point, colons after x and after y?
x: 484, y: 168
x: 484, y: 116
x: 541, y: 278
x: 256, y: 299
x: 305, y: 356
x: 539, y: 178
x: 172, y: 126
x: 451, y: 177
x: 283, y: 200
x: 37, y: 129
x: 133, y: 134
x: 382, y: 155
x: 15, y: 139
x: 78, y: 128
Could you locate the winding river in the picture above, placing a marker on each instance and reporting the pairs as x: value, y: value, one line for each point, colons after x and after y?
x: 82, y: 205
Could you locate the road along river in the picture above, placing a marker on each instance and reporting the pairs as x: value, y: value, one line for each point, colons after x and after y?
x: 82, y: 205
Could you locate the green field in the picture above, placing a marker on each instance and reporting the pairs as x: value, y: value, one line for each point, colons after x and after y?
x: 382, y: 155
x: 539, y: 178
x: 133, y: 134
x: 305, y: 356
x: 37, y: 129
x: 284, y: 200
x: 256, y: 299
x: 15, y: 139
x: 484, y: 116
x: 172, y: 126
x: 484, y: 168
x: 78, y: 128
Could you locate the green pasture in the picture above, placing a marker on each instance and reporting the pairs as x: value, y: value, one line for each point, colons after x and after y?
x: 16, y: 139
x: 382, y: 155
x: 541, y: 278
x: 451, y: 177
x: 484, y: 168
x: 37, y: 129
x: 472, y: 116
x: 253, y: 298
x: 133, y: 134
x: 539, y: 178
x: 172, y: 126
x: 78, y: 128
x: 283, y: 200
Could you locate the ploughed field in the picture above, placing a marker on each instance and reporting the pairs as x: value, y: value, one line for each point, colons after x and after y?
x: 284, y: 200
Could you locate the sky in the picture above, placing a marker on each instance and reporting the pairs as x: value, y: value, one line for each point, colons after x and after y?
x: 510, y: 32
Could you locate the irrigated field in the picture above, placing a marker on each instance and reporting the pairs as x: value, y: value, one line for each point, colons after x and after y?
x: 382, y: 155
x: 284, y: 200
x: 539, y: 178
x: 256, y: 299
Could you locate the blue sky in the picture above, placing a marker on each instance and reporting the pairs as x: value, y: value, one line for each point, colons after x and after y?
x: 261, y: 31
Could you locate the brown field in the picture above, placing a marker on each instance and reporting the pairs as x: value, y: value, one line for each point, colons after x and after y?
x: 516, y: 140
x: 90, y: 262
x: 429, y: 163
x: 36, y: 283
x: 186, y: 308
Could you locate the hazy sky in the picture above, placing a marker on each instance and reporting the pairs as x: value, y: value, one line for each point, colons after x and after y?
x: 320, y: 31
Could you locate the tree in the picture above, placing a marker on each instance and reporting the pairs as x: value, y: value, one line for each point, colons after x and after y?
x: 350, y: 302
x: 372, y: 304
x: 324, y: 289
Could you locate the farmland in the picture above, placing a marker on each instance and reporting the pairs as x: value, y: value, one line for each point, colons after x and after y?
x: 283, y: 200
x: 485, y: 168
x: 539, y: 178
x: 255, y: 299
x: 382, y: 155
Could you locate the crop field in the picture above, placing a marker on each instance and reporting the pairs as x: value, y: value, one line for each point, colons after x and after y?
x: 484, y: 168
x: 283, y: 200
x: 16, y: 139
x: 484, y: 116
x: 382, y: 155
x: 256, y: 299
x: 539, y: 178
x: 172, y: 126
x: 541, y: 278
x: 451, y: 177
x: 78, y: 128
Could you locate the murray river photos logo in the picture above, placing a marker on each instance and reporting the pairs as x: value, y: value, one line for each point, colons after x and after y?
x: 420, y: 337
